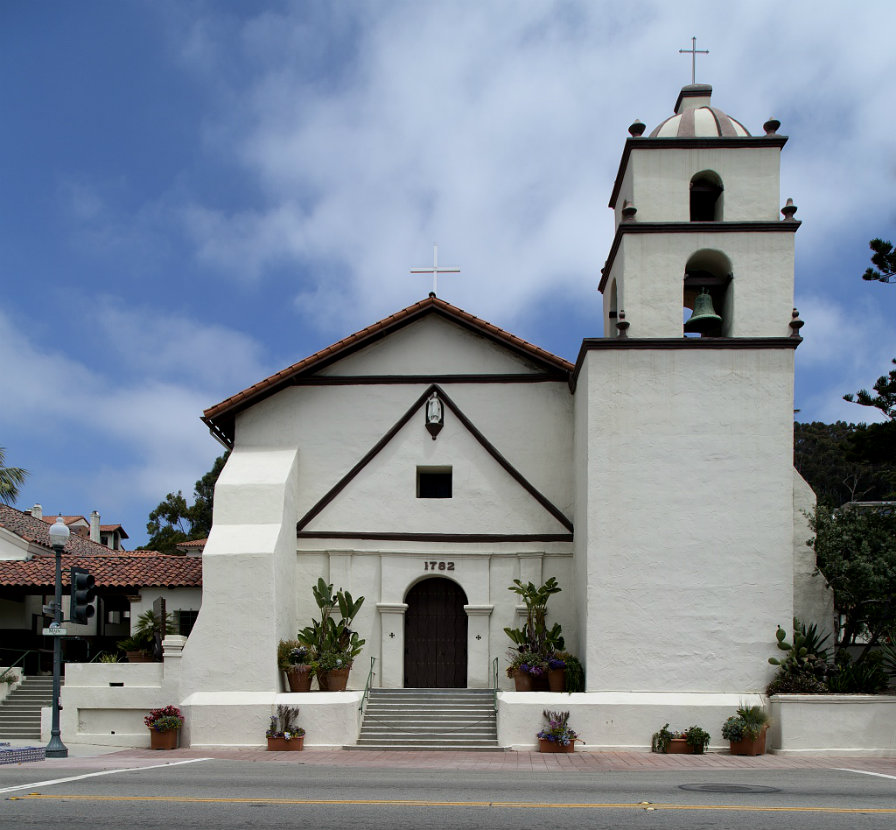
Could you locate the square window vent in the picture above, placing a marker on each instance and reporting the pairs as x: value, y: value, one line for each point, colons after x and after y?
x: 434, y: 482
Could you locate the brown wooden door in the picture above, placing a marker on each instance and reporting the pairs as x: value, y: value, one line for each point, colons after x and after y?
x: 435, y: 636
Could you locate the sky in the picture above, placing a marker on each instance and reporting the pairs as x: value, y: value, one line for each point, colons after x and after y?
x: 198, y: 194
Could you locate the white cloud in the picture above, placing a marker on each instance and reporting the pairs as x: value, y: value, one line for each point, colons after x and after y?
x: 495, y: 130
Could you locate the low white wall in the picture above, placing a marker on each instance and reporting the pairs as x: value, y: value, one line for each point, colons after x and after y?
x: 241, y: 718
x: 616, y: 720
x: 833, y: 724
x: 96, y: 712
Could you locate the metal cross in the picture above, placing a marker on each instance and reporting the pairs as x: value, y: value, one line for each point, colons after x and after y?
x: 693, y: 52
x: 436, y: 270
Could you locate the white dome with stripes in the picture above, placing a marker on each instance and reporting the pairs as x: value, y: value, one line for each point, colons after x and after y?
x: 695, y: 118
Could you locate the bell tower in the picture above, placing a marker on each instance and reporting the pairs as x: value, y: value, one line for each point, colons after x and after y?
x: 684, y: 516
x: 696, y: 207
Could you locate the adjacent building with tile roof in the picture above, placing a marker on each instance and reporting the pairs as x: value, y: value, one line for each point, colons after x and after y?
x: 127, y: 583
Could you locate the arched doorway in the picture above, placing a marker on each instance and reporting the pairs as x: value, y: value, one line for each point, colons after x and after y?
x: 435, y: 636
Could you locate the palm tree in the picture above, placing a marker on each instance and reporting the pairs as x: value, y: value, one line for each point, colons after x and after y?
x: 10, y: 480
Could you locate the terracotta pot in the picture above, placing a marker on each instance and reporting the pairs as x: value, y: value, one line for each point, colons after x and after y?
x: 679, y: 746
x: 750, y: 746
x: 299, y: 679
x: 557, y: 680
x: 552, y: 746
x: 138, y: 657
x: 163, y: 740
x: 282, y: 745
x: 522, y: 681
x: 334, y: 680
x: 540, y: 683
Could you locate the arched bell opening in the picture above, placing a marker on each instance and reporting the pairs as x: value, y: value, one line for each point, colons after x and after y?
x: 706, y: 197
x: 707, y: 296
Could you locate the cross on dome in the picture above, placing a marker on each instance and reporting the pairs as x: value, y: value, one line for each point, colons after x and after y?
x: 693, y: 52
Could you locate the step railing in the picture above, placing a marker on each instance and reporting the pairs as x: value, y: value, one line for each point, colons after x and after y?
x: 10, y: 668
x: 495, y: 682
x: 367, y: 685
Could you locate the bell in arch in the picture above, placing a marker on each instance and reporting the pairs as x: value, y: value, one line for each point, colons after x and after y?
x: 704, y: 320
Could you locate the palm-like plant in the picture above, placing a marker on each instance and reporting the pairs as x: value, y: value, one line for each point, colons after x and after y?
x: 11, y: 478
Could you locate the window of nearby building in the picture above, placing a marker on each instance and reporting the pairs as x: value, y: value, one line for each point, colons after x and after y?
x: 185, y: 622
x: 434, y: 482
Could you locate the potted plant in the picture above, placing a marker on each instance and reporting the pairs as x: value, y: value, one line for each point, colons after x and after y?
x: 332, y: 669
x: 557, y: 736
x: 746, y: 730
x: 135, y: 650
x: 557, y: 672
x: 284, y: 734
x: 141, y: 646
x: 333, y: 645
x: 164, y: 727
x: 294, y: 659
x: 691, y: 741
x: 527, y: 669
x: 534, y: 644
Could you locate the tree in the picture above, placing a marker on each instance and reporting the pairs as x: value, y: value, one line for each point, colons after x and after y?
x: 884, y: 257
x: 855, y: 549
x: 884, y: 400
x: 11, y: 478
x: 174, y: 521
x: 843, y: 462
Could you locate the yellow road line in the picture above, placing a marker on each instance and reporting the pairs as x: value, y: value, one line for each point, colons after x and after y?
x: 423, y: 803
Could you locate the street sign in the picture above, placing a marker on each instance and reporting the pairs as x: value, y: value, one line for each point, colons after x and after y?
x: 55, y: 632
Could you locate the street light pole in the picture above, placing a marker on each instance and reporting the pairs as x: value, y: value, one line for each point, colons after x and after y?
x: 59, y: 534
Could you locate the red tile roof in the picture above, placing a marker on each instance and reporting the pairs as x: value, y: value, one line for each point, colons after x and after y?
x: 123, y: 571
x: 37, y: 531
x: 110, y: 569
x: 220, y: 418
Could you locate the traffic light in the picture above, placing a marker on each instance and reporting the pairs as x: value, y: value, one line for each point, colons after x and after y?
x: 83, y: 594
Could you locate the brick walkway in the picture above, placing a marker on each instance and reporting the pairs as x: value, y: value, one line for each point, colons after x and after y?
x: 509, y: 761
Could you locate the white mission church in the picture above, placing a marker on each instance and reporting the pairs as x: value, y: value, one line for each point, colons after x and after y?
x: 430, y: 459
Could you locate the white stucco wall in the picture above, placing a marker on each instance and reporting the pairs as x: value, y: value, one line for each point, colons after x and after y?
x: 690, y: 520
x: 813, y: 600
x: 657, y: 182
x: 622, y: 721
x: 12, y: 546
x: 649, y: 272
x: 431, y: 346
x: 833, y: 724
x: 248, y: 572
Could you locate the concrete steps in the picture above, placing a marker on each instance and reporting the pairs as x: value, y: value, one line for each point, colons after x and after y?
x: 20, y: 711
x: 429, y: 719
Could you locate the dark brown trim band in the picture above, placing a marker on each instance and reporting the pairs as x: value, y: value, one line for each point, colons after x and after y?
x: 440, y: 537
x: 667, y: 343
x: 369, y: 380
x: 776, y: 226
x: 483, y: 441
x: 683, y: 143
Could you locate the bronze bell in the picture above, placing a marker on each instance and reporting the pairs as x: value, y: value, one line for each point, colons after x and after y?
x: 704, y: 319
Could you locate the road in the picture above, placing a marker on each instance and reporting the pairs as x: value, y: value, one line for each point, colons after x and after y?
x: 224, y: 794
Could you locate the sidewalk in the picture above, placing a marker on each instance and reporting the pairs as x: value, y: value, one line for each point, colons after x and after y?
x: 85, y: 756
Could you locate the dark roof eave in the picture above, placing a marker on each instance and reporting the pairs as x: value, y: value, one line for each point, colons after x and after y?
x: 221, y: 418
